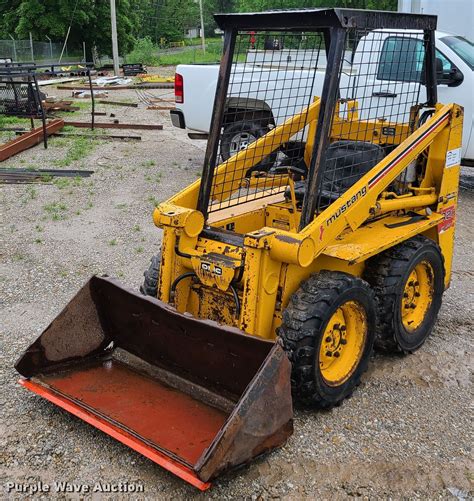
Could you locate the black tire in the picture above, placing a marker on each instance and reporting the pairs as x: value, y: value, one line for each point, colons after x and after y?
x: 250, y: 129
x: 150, y: 282
x: 302, y: 334
x: 388, y: 274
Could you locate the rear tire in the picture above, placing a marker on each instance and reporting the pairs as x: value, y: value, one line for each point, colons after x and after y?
x: 328, y: 331
x: 408, y: 281
x: 238, y: 135
x: 150, y: 282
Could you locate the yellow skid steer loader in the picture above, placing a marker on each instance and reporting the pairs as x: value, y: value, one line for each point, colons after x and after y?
x: 328, y: 230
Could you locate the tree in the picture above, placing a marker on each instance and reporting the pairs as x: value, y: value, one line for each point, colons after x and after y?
x: 89, y: 20
x: 259, y: 5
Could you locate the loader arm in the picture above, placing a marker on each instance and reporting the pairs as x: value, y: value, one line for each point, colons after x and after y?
x: 359, y: 202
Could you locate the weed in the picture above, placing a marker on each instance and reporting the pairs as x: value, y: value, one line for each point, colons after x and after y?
x: 121, y: 206
x: 79, y: 149
x: 113, y: 242
x: 148, y: 164
x: 38, y: 240
x: 153, y: 200
x: 62, y: 182
x: 139, y: 250
x: 63, y: 273
x: 136, y: 228
x: 57, y: 210
x: 39, y: 228
x: 32, y: 193
x: 18, y: 257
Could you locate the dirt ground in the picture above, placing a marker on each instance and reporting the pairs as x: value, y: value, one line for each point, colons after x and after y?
x: 406, y: 432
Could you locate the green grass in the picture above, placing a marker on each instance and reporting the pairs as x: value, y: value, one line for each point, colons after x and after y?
x: 192, y: 55
x: 5, y: 121
x: 79, y: 148
x: 67, y: 182
x: 153, y: 200
x: 113, y: 242
x: 57, y: 210
x: 148, y: 164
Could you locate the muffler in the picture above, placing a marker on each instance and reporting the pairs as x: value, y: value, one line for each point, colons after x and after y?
x: 193, y: 396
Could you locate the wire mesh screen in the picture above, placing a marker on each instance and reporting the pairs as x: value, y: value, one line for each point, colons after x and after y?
x: 376, y: 108
x: 19, y: 96
x: 269, y: 127
x: 274, y: 78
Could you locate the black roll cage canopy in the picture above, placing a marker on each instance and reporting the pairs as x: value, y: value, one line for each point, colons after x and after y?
x: 334, y: 24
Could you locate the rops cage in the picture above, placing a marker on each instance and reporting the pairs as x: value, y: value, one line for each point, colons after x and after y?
x: 300, y: 99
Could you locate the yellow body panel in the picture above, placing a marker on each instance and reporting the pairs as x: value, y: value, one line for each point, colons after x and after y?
x: 249, y: 282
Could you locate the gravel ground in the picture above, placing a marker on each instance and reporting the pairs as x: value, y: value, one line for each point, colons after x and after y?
x: 406, y: 432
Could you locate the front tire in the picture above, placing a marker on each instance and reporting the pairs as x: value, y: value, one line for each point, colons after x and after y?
x: 328, y: 331
x: 151, y: 275
x: 408, y: 281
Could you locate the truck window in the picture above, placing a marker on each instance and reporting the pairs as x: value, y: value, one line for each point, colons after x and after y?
x: 462, y: 47
x: 401, y: 60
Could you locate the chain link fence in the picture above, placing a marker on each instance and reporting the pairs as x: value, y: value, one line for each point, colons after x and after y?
x: 39, y: 52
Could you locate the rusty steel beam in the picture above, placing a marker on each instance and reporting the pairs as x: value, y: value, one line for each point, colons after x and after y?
x: 118, y: 103
x: 15, y: 176
x: 29, y: 139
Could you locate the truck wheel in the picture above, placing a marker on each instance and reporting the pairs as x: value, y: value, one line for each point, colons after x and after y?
x: 150, y: 282
x: 408, y: 281
x: 238, y: 135
x: 328, y: 332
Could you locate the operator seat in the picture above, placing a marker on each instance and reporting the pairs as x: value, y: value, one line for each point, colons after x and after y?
x: 346, y: 162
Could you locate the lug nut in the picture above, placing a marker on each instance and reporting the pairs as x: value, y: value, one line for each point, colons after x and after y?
x: 337, y: 354
x: 328, y: 339
x: 336, y: 326
x: 412, y: 306
x: 417, y: 294
x: 405, y: 294
x: 343, y: 327
x: 343, y: 341
x: 417, y: 284
x: 328, y: 354
x: 410, y: 283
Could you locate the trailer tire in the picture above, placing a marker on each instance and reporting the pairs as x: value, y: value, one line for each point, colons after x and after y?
x: 151, y: 275
x: 331, y: 312
x: 408, y: 281
x: 238, y: 135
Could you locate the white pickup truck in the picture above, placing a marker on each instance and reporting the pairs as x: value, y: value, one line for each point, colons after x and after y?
x: 195, y: 85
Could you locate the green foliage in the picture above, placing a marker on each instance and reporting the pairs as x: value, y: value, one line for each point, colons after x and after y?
x: 90, y: 22
x: 192, y: 55
x: 79, y: 148
x: 141, y: 24
x: 259, y: 5
x: 144, y: 51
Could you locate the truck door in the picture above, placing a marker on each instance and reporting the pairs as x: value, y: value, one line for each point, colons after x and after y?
x: 388, y: 70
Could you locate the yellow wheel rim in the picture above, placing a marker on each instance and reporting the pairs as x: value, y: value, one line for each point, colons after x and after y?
x: 343, y: 343
x: 417, y: 296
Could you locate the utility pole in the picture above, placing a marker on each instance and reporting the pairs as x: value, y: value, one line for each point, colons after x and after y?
x: 203, y: 40
x: 31, y: 47
x: 113, y: 20
x: 50, y: 47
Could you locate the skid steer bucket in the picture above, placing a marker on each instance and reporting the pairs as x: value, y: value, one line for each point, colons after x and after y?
x: 192, y: 395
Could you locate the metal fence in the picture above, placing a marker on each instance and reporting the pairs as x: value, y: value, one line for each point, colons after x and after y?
x: 26, y: 50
